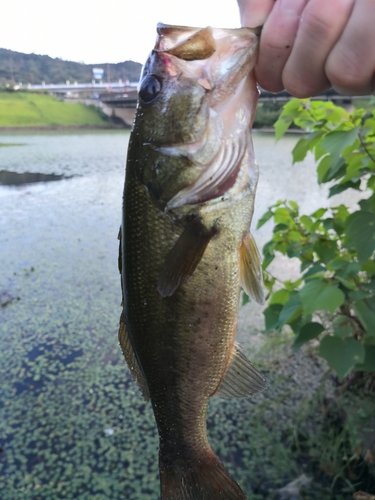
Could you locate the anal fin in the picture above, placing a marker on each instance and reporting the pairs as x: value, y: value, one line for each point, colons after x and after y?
x: 184, y: 257
x: 131, y: 360
x: 251, y: 269
x: 241, y: 379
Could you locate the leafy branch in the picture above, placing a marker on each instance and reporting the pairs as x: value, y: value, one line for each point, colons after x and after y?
x: 333, y: 302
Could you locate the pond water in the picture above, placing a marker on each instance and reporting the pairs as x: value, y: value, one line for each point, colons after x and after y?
x: 72, y: 423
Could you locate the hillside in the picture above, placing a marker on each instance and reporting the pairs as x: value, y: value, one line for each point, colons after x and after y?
x: 17, y: 67
x: 24, y: 109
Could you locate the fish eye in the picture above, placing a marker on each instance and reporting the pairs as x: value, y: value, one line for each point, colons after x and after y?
x: 150, y: 88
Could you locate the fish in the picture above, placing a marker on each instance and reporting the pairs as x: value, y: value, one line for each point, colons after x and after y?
x: 186, y: 247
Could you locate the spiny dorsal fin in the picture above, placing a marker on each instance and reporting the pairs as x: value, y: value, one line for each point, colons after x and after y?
x: 131, y: 360
x: 184, y: 257
x: 241, y: 379
x: 251, y: 278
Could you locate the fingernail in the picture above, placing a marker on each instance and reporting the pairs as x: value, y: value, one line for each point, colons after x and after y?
x: 292, y: 6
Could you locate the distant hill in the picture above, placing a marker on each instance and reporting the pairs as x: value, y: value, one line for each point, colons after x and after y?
x: 17, y: 67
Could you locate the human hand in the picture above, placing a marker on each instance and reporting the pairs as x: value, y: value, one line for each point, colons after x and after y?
x: 308, y: 46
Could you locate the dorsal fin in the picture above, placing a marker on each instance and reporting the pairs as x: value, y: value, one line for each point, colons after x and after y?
x: 131, y: 360
x: 251, y: 278
x: 241, y: 379
x: 184, y: 257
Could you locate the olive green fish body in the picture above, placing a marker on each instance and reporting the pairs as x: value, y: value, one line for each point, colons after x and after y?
x: 183, y: 245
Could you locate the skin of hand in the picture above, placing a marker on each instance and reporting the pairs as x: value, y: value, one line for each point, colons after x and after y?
x: 308, y: 46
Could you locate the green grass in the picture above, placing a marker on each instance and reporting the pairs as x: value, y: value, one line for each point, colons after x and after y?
x: 22, y: 109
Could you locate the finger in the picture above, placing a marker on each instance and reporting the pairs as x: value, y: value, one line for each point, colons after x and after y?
x: 351, y: 65
x: 254, y: 13
x: 320, y: 27
x: 277, y: 39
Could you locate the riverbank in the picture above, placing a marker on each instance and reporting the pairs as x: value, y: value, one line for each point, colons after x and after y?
x: 108, y: 126
x: 28, y: 111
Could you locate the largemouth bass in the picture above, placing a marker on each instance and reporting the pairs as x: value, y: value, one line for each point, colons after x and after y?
x: 185, y: 245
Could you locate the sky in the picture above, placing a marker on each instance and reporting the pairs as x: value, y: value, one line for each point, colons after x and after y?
x: 93, y: 31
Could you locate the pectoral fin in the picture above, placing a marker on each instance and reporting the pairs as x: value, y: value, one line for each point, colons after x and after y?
x: 184, y: 257
x: 251, y: 269
x: 241, y: 379
x: 131, y: 360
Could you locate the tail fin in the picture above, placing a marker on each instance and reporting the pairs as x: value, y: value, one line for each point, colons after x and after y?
x: 203, y: 480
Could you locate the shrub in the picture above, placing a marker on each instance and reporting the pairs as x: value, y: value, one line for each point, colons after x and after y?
x: 334, y: 299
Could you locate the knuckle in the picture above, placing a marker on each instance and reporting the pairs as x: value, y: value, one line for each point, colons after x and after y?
x: 344, y: 72
x: 315, y: 25
x: 302, y: 86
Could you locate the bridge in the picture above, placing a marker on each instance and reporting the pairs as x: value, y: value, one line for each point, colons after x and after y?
x: 118, y: 100
x: 78, y: 88
x: 104, y: 91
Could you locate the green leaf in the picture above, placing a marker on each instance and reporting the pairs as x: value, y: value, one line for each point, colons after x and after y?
x: 294, y: 205
x: 279, y: 297
x: 360, y: 228
x: 307, y: 332
x: 370, y: 286
x: 245, y: 298
x: 341, y: 212
x: 281, y: 126
x: 271, y: 316
x: 294, y: 236
x: 326, y: 249
x: 318, y: 214
x: 337, y: 169
x: 265, y: 218
x: 358, y: 295
x: 291, y: 309
x: 351, y: 270
x: 335, y: 142
x: 350, y: 285
x: 369, y: 359
x: 365, y: 316
x: 291, y: 110
x: 306, y: 222
x: 368, y: 204
x: 339, y: 188
x: 341, y: 354
x: 368, y: 266
x: 319, y: 295
x: 315, y: 269
x: 306, y: 144
x: 282, y: 216
x: 323, y: 168
x: 337, y: 264
x: 343, y: 331
x: 300, y: 150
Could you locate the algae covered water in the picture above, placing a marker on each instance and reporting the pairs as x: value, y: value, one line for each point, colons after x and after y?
x: 72, y: 423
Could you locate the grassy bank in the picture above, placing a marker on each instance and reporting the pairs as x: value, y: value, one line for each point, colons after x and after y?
x: 23, y: 109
